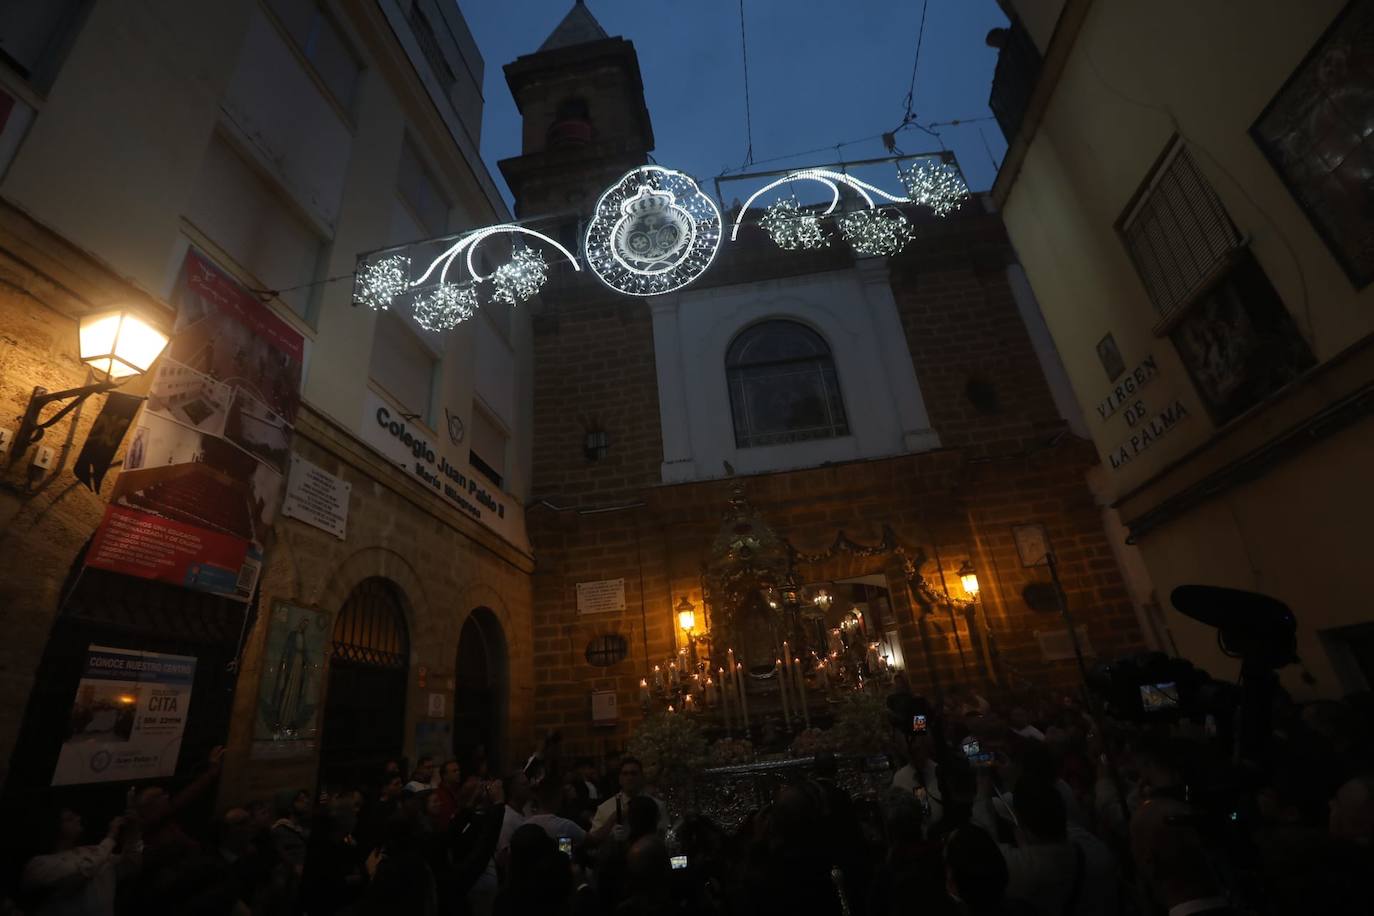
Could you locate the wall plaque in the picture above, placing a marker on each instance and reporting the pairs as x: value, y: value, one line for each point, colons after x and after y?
x: 316, y: 497
x: 601, y: 597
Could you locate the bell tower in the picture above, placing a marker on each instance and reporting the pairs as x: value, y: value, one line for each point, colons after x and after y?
x: 585, y: 121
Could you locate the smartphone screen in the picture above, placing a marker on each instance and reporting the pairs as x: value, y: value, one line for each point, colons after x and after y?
x: 678, y: 862
x: 973, y: 750
x: 565, y: 845
x: 1159, y: 697
x: 918, y: 724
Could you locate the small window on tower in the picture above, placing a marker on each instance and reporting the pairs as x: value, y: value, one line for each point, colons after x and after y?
x: 572, y: 123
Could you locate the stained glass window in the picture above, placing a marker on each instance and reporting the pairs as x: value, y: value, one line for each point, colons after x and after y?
x: 783, y: 386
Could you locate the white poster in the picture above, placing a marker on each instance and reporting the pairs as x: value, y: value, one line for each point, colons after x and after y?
x: 128, y: 718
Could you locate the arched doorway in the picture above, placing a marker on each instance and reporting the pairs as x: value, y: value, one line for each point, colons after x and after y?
x: 365, y: 708
x: 481, y: 684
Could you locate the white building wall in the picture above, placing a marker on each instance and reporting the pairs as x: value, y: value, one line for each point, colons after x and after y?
x: 853, y: 310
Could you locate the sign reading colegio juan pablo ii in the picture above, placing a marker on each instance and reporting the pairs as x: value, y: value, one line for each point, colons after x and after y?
x: 441, y: 468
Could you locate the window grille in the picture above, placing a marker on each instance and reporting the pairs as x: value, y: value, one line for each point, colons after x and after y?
x: 371, y: 627
x: 1178, y: 234
x: 605, y: 651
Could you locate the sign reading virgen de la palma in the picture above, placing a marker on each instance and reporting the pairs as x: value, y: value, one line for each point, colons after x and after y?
x: 421, y: 455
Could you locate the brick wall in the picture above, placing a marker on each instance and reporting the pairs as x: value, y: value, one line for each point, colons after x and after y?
x: 1007, y: 460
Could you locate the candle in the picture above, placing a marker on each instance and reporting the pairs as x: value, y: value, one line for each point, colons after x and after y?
x: 724, y: 698
x: 671, y: 709
x: 672, y: 675
x: 689, y: 703
x: 822, y: 676
x: 643, y: 690
x: 781, y: 672
x: 710, y: 691
x: 743, y: 697
x: 835, y: 643
x: 872, y: 658
x: 658, y: 678
x: 801, y: 689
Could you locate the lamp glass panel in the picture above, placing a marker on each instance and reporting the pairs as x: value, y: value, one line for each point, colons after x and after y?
x: 138, y: 344
x: 970, y: 583
x: 97, y: 335
x: 686, y: 620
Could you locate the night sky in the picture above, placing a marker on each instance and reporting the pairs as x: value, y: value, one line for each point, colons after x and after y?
x: 820, y: 72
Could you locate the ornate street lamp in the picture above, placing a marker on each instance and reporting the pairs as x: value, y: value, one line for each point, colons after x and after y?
x: 118, y: 345
x: 969, y: 580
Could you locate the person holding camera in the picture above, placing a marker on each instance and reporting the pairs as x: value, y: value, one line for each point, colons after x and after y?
x: 75, y: 879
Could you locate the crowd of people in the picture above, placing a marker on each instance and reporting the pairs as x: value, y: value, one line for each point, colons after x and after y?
x: 1026, y: 805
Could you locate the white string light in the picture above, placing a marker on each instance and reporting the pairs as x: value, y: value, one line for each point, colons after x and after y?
x: 827, y: 177
x: 792, y: 227
x: 446, y: 306
x: 438, y: 304
x: 936, y: 184
x: 520, y: 278
x: 652, y: 232
x: 379, y: 283
x: 876, y: 232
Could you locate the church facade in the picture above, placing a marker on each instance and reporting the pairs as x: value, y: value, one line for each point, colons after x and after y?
x: 890, y: 422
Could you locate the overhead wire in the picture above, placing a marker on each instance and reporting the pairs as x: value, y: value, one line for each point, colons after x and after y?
x: 748, y: 115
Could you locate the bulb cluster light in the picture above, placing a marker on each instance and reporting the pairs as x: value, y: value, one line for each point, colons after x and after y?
x: 446, y: 306
x: 792, y: 227
x: 379, y: 282
x: 652, y: 232
x: 936, y: 184
x: 439, y: 304
x: 520, y: 278
x: 876, y: 232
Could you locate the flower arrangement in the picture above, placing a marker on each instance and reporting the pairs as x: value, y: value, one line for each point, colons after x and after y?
x: 810, y: 742
x: 671, y: 747
x: 729, y: 752
x: 861, y: 722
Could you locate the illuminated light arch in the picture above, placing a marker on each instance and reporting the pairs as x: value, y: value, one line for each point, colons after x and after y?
x: 830, y: 179
x: 447, y: 304
x: 652, y: 232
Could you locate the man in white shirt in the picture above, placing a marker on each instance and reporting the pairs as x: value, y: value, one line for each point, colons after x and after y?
x: 920, y: 779
x: 545, y: 806
x: 81, y: 879
x: 611, y: 818
x: 1054, y: 868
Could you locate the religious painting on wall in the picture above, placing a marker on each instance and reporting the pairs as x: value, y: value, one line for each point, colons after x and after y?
x: 293, y: 672
x: 1239, y: 343
x: 1316, y: 134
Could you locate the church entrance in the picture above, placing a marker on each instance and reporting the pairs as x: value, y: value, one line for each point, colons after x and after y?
x: 365, y: 708
x: 480, y: 697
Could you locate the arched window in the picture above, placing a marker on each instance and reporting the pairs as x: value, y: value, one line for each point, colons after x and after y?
x: 783, y: 386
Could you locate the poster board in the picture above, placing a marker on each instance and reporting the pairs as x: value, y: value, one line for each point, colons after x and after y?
x: 128, y: 717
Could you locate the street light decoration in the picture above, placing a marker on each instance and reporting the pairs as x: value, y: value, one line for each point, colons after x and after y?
x: 792, y: 227
x: 876, y: 232
x: 936, y: 184
x: 652, y: 232
x: 451, y: 288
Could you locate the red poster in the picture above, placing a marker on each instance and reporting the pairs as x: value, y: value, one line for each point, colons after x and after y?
x: 204, y: 471
x: 151, y: 547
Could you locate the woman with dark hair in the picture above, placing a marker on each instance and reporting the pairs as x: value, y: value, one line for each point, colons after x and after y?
x: 73, y: 879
